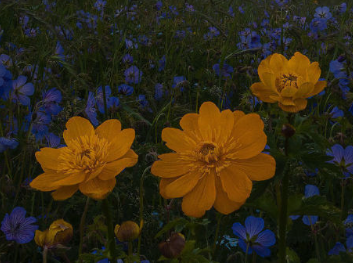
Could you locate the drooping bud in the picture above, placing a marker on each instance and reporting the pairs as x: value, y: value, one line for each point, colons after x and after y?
x: 63, y: 230
x: 173, y: 246
x: 288, y: 130
x: 127, y: 231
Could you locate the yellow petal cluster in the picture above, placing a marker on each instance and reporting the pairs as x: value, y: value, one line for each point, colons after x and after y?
x: 59, y: 232
x: 288, y: 82
x: 89, y: 162
x: 216, y: 157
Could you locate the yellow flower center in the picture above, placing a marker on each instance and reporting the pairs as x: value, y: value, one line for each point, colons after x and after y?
x: 286, y: 80
x: 84, y: 154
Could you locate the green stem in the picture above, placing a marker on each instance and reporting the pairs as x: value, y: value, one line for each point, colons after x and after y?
x: 342, y: 197
x: 317, y: 249
x: 129, y: 251
x: 45, y: 253
x: 217, y: 232
x: 283, y: 212
x: 110, y: 228
x: 246, y: 253
x: 82, y: 227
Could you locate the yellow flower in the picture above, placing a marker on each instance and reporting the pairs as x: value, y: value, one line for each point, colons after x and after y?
x: 90, y: 161
x: 217, y: 156
x: 59, y: 232
x: 288, y: 82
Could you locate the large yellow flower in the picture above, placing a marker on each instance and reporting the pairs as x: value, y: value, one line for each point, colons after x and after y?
x: 90, y: 161
x: 217, y: 156
x: 288, y: 82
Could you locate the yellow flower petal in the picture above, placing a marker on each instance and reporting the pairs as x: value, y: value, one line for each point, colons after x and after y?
x: 278, y: 62
x: 226, y: 123
x: 189, y: 124
x: 288, y: 92
x: 182, y: 185
x: 263, y: 92
x: 201, y: 198
x: 222, y: 203
x: 46, y: 181
x: 258, y: 168
x: 162, y: 185
x: 64, y: 192
x: 319, y: 86
x: 77, y: 127
x: 120, y: 144
x: 177, y: 140
x: 314, y: 72
x: 49, y: 158
x: 109, y: 129
x: 72, y: 179
x: 170, y: 165
x: 305, y: 89
x: 96, y: 188
x: 236, y: 184
x: 209, y: 121
x: 299, y: 104
x: 112, y: 169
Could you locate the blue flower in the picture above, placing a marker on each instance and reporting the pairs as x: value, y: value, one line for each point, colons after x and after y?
x: 318, y: 24
x: 161, y: 63
x: 323, y: 12
x: 53, y: 140
x: 132, y: 75
x: 336, y: 112
x: 40, y: 122
x: 128, y: 59
x: 17, y: 227
x: 342, y: 158
x: 125, y: 89
x: 252, y: 239
x: 21, y: 90
x: 5, y: 82
x: 158, y: 91
x: 90, y: 110
x: 226, y: 71
x: 179, y: 81
x: 51, y: 98
x: 7, y: 143
x: 100, y: 98
x: 338, y: 247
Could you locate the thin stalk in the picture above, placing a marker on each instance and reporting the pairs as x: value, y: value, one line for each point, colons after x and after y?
x: 216, y: 235
x: 129, y: 251
x: 317, y: 249
x: 283, y: 211
x: 342, y: 197
x: 246, y: 253
x: 82, y: 227
x: 111, y: 240
x: 45, y: 253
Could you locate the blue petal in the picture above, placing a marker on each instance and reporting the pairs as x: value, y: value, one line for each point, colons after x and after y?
x: 349, y: 243
x: 311, y: 190
x: 348, y: 155
x: 294, y: 217
x: 239, y: 230
x: 338, y: 247
x: 262, y: 251
x: 337, y: 153
x: 266, y: 238
x: 253, y: 225
x: 244, y: 246
x: 310, y: 220
x: 349, y: 220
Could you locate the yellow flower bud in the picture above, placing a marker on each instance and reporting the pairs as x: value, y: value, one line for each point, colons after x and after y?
x: 127, y: 231
x: 63, y: 231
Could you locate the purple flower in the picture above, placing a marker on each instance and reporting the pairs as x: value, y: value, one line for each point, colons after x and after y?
x: 336, y: 112
x: 226, y: 71
x: 128, y: 59
x: 52, y: 140
x: 342, y: 158
x: 51, y: 100
x: 100, y: 98
x: 179, y: 81
x: 17, y: 227
x: 159, y: 5
x: 21, y: 90
x: 5, y: 82
x: 132, y: 75
x: 318, y: 24
x: 251, y: 238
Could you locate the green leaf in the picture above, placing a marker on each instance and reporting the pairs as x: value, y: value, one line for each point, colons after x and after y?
x: 178, y: 223
x: 265, y: 204
x: 292, y: 256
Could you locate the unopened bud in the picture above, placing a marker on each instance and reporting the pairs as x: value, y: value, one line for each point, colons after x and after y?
x: 287, y: 130
x: 127, y: 231
x: 64, y: 231
x: 173, y: 246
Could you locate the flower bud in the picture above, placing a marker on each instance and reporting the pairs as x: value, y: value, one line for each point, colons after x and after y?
x: 287, y: 130
x: 173, y: 246
x: 127, y: 231
x: 63, y: 231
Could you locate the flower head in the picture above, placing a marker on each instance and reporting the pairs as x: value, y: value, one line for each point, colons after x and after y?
x: 217, y: 156
x: 90, y: 161
x: 59, y: 232
x: 252, y: 239
x: 127, y: 231
x: 342, y: 157
x: 288, y: 82
x: 17, y: 227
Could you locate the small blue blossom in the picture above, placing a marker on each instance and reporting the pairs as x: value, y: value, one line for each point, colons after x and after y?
x: 90, y: 109
x: 342, y: 157
x: 7, y: 143
x: 125, y: 89
x: 17, y: 227
x: 158, y: 91
x: 133, y: 75
x: 323, y: 13
x: 21, y: 90
x: 251, y: 238
x: 338, y: 247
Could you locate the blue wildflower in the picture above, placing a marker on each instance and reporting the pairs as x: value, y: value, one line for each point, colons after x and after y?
x: 128, y: 59
x: 100, y: 98
x: 161, y: 63
x: 158, y: 91
x: 51, y: 100
x: 342, y: 158
x: 336, y: 112
x: 125, y: 89
x: 318, y: 25
x: 17, y: 227
x: 225, y: 72
x: 21, y: 90
x: 132, y: 75
x: 179, y: 82
x: 251, y: 238
x: 90, y: 110
x: 7, y: 143
x: 338, y: 247
x: 5, y: 82
x: 323, y: 13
